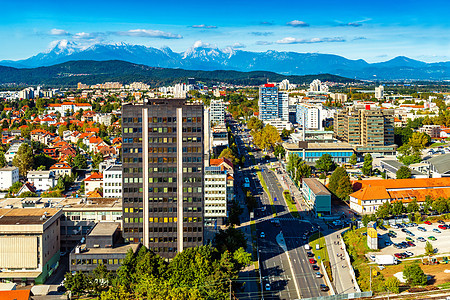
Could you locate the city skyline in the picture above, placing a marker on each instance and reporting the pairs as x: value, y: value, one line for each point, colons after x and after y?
x: 351, y: 29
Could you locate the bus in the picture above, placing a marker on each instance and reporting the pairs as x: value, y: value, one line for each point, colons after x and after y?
x: 246, y: 182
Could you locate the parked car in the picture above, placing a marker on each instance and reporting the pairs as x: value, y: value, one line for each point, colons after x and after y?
x: 315, y: 268
x: 421, y: 239
x: 382, y: 227
x: 324, y: 288
x: 372, y: 257
x: 310, y: 254
x: 318, y: 275
x: 312, y: 261
x: 432, y: 238
x: 411, y: 244
x: 441, y: 222
x: 267, y: 286
x: 436, y: 230
x: 421, y: 229
x: 427, y: 222
x: 443, y: 227
x: 409, y: 253
x: 409, y: 239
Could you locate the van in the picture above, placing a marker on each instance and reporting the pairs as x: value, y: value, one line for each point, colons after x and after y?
x: 307, y: 247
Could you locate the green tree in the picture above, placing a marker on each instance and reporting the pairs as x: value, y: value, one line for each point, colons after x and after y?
x: 279, y: 151
x: 392, y: 284
x: 384, y: 211
x: 429, y: 249
x: 403, y: 173
x: 228, y: 153
x: 2, y: 159
x: 24, y: 159
x: 367, y: 166
x: 334, y: 179
x: 255, y: 124
x: 440, y: 205
x: 344, y: 188
x: 285, y: 133
x: 414, y: 275
x: 230, y: 239
x: 398, y: 208
x: 325, y: 163
x: 353, y: 159
x: 80, y: 162
x: 413, y: 206
x: 43, y: 160
x: 303, y: 171
x: 97, y: 158
x: 365, y: 220
x: 78, y: 284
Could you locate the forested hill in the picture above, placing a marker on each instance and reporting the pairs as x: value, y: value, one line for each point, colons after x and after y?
x: 93, y: 72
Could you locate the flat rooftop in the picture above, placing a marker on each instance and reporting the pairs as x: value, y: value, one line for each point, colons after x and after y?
x: 66, y: 203
x: 26, y: 216
x: 316, y: 187
x: 119, y: 249
x: 104, y: 228
x: 319, y: 146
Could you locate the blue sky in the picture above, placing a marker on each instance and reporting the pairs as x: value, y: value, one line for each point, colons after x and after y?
x: 371, y: 30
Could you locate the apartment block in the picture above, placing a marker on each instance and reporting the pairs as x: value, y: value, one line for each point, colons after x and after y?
x: 272, y: 103
x: 112, y: 182
x: 217, y: 111
x: 369, y: 128
x: 8, y: 176
x: 163, y: 175
x: 215, y: 195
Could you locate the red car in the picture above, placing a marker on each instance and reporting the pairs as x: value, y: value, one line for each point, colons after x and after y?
x: 427, y: 222
x: 442, y: 227
x: 312, y: 261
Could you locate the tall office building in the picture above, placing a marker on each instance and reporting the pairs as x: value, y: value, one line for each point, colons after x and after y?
x: 371, y: 129
x: 217, y: 111
x: 163, y: 175
x: 272, y: 103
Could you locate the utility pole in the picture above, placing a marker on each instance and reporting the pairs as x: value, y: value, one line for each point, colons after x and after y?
x: 370, y: 267
x: 230, y: 289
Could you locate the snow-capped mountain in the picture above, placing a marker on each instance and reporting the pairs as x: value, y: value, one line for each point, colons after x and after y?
x: 203, y: 56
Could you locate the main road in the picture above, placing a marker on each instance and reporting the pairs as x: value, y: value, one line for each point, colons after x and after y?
x: 284, y: 265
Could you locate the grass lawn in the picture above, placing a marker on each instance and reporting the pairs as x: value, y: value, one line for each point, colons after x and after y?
x: 323, y: 252
x: 357, y: 246
x: 291, y: 206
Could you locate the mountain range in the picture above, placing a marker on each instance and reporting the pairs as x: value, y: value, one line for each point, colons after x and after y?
x: 92, y: 72
x: 208, y: 58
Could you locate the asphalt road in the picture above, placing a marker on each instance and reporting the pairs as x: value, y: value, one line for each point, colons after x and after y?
x: 289, y: 274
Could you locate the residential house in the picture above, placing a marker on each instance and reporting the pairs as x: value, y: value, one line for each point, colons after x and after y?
x: 8, y: 176
x: 42, y: 180
x: 93, y: 182
x: 61, y: 169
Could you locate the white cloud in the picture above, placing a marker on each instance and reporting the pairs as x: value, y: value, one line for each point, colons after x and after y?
x: 55, y: 31
x: 297, y: 23
x: 204, y: 26
x: 200, y: 44
x: 149, y: 33
x: 261, y: 33
x: 291, y: 40
x: 237, y: 46
x: 263, y: 43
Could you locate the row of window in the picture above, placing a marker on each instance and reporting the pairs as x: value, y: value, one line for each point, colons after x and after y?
x: 162, y: 199
x: 161, y: 130
x: 96, y: 261
x: 113, y: 175
x: 113, y: 184
x: 115, y: 191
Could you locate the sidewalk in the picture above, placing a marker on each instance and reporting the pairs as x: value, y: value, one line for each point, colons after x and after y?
x: 342, y: 278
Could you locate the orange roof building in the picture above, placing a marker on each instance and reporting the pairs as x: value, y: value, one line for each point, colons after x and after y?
x: 15, y: 295
x: 370, y: 194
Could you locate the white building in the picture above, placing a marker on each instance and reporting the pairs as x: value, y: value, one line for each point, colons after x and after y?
x: 8, y: 176
x: 215, y: 195
x: 318, y: 86
x: 112, y: 182
x: 312, y: 115
x: 93, y: 182
x: 42, y: 180
x: 379, y: 92
x: 217, y: 111
x: 180, y: 90
x: 104, y: 119
x: 12, y: 151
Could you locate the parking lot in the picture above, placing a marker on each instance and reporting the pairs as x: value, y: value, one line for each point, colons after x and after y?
x: 442, y: 242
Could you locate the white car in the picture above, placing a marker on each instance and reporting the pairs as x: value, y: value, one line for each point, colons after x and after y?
x: 409, y: 253
x: 263, y: 235
x: 372, y: 257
